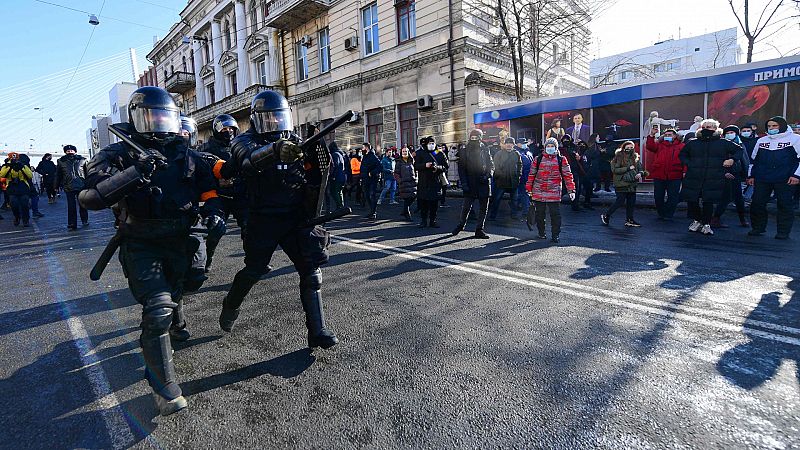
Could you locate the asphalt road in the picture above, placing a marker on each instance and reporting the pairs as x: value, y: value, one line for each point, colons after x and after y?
x: 615, y: 338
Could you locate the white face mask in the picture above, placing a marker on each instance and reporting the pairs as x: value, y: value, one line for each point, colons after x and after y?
x: 550, y: 150
x: 746, y: 134
x: 431, y: 147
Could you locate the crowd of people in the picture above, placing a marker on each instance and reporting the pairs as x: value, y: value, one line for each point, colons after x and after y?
x: 708, y: 169
x: 23, y: 185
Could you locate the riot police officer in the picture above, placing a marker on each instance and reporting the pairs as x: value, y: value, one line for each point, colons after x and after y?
x: 155, y: 186
x: 189, y: 131
x: 270, y: 160
x: 232, y: 192
x: 197, y: 241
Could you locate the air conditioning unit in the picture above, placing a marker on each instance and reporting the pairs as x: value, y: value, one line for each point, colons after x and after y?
x: 351, y: 43
x: 355, y: 118
x: 305, y: 41
x: 425, y: 102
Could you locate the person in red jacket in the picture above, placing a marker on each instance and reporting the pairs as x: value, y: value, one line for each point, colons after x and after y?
x: 666, y: 170
x: 549, y: 171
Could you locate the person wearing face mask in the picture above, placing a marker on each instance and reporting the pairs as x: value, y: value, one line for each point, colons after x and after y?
x: 734, y: 176
x: 667, y: 170
x: 523, y: 200
x: 628, y: 173
x: 775, y: 167
x: 707, y: 159
x: 548, y: 173
x: 475, y: 171
x: 429, y: 165
x: 70, y: 176
x: 406, y: 177
x: 370, y: 178
x: 508, y: 170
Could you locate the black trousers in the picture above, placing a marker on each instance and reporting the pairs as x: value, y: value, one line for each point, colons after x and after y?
x: 371, y: 192
x: 155, y: 272
x: 555, y: 217
x: 21, y: 207
x: 428, y: 209
x: 733, y: 193
x: 231, y: 206
x: 624, y: 198
x: 701, y: 214
x: 72, y: 210
x: 483, y: 209
x: 670, y: 188
x: 758, y: 208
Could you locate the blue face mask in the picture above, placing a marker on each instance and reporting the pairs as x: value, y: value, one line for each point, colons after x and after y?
x: 773, y: 131
x: 667, y: 138
x: 746, y: 134
x: 550, y: 150
x: 524, y: 146
x: 730, y: 136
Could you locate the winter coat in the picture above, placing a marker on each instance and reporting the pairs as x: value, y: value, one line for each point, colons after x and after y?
x: 387, y: 165
x: 527, y: 160
x: 775, y: 158
x: 371, y: 168
x: 624, y: 177
x: 355, y: 166
x: 428, y: 186
x: 337, y: 164
x: 592, y: 162
x: 545, y: 180
x: 606, y: 155
x: 575, y: 160
x: 70, y: 173
x: 666, y: 163
x: 47, y: 169
x: 507, y: 169
x: 705, y: 175
x: 475, y: 170
x: 18, y: 178
x: 406, y: 177
x: 749, y: 145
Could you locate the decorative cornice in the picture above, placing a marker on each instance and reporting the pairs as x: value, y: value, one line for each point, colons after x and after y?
x: 228, y: 57
x: 207, y: 70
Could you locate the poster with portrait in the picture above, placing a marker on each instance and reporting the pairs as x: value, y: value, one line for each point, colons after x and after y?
x: 567, y: 120
x: 529, y: 127
x: 748, y: 104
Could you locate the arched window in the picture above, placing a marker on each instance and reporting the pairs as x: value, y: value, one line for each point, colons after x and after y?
x: 227, y: 34
x: 184, y: 64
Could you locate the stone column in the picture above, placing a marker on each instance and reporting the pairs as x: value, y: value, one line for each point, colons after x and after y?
x: 243, y: 71
x: 216, y: 46
x: 199, y: 87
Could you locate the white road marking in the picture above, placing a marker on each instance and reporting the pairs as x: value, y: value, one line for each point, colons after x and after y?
x: 652, y: 306
x: 110, y: 409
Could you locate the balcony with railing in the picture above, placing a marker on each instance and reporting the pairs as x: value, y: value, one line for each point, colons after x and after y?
x: 230, y: 104
x: 290, y: 14
x: 179, y: 82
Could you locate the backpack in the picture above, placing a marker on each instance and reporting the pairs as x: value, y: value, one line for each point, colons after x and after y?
x: 560, y: 166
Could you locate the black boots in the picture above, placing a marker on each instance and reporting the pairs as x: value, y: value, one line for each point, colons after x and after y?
x: 159, y: 368
x: 480, y: 234
x: 318, y: 335
x: 458, y: 229
x: 227, y: 317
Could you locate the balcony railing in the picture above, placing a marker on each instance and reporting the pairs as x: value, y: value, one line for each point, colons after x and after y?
x: 230, y: 104
x: 290, y: 14
x: 179, y: 82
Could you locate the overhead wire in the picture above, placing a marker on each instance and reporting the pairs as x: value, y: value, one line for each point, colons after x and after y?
x: 105, y: 17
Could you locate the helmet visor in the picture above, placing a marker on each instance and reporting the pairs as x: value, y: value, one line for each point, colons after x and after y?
x: 219, y: 125
x: 269, y: 121
x: 146, y: 120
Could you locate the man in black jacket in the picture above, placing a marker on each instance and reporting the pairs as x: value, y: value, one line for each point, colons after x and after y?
x: 508, y: 171
x: 475, y: 171
x: 70, y: 176
x: 156, y: 190
x: 47, y: 169
x: 370, y: 177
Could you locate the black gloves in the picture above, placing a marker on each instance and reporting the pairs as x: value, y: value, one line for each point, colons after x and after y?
x: 149, y: 161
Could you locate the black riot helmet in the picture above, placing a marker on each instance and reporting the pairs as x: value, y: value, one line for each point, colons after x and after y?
x: 224, y: 128
x: 153, y: 114
x: 189, y: 130
x: 270, y: 113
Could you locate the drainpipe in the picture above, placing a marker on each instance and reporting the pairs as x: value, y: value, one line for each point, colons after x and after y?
x: 450, y: 53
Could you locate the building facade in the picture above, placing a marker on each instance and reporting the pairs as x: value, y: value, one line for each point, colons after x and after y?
x: 408, y: 68
x: 668, y: 58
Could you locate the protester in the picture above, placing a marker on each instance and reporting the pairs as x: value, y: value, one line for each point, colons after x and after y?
x: 475, y: 170
x: 389, y: 183
x: 47, y: 169
x: 774, y: 169
x: 707, y: 158
x: 355, y: 177
x: 507, y: 174
x: 523, y: 199
x: 591, y: 162
x: 555, y: 130
x: 34, y: 194
x: 548, y: 173
x: 338, y: 177
x: 430, y: 166
x: 70, y: 176
x: 667, y: 170
x: 607, y: 150
x: 441, y: 149
x: 734, y: 176
x: 370, y: 178
x: 406, y: 178
x: 19, y: 179
x: 628, y: 173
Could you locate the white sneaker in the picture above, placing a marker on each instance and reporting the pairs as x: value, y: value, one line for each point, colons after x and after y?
x: 380, y: 201
x: 695, y: 226
x: 707, y: 230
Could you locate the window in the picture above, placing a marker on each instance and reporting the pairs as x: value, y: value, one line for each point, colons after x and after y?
x: 406, y: 21
x: 301, y: 52
x: 171, y: 69
x: 324, y: 50
x: 626, y: 75
x: 263, y: 72
x: 555, y: 53
x: 227, y: 33
x: 264, y: 13
x: 661, y: 67
x: 374, y: 126
x: 254, y: 18
x: 369, y: 20
x: 191, y: 58
x: 407, y: 113
x: 208, y: 51
x: 232, y: 82
x: 211, y: 94
x: 184, y: 64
